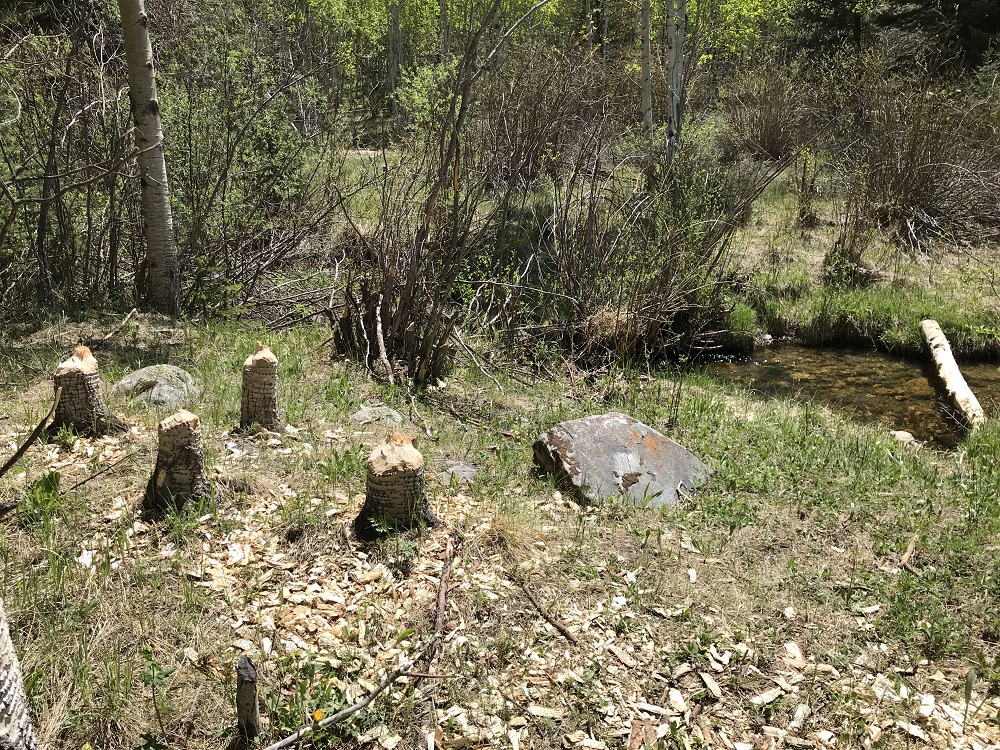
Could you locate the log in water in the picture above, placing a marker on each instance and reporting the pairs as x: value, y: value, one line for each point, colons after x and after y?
x: 947, y: 369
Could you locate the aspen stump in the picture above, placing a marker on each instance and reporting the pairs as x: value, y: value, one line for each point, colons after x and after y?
x: 247, y: 706
x: 82, y: 405
x: 260, y: 390
x: 394, y: 496
x: 16, y: 730
x: 179, y: 474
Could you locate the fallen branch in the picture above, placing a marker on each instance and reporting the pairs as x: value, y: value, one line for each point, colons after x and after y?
x: 105, y: 470
x: 36, y: 433
x: 544, y: 612
x: 347, y: 712
x: 947, y: 369
x: 434, y: 650
x: 121, y: 325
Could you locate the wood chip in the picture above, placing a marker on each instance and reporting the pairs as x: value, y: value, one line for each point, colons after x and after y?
x: 711, y: 684
x: 623, y: 657
x: 544, y: 712
x: 768, y: 696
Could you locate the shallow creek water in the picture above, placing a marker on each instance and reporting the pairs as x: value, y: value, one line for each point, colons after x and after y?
x: 868, y: 386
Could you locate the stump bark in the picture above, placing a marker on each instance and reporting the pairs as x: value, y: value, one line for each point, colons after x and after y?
x: 82, y: 404
x: 394, y: 497
x: 16, y: 730
x: 947, y: 369
x: 179, y: 474
x: 260, y: 390
x: 247, y: 706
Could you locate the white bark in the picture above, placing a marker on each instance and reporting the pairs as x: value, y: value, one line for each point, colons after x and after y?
x: 16, y: 730
x: 647, y: 79
x: 395, y: 54
x: 162, y: 267
x: 947, y: 368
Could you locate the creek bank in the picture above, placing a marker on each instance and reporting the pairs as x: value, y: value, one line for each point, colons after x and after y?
x: 870, y: 386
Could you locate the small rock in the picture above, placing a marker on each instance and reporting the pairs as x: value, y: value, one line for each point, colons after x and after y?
x: 378, y: 414
x: 159, y: 385
x: 903, y: 437
x: 458, y: 472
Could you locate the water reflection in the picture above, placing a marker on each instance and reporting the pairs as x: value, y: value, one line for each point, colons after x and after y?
x: 868, y: 386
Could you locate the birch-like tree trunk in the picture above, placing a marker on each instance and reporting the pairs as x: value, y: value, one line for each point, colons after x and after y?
x: 395, y: 54
x: 163, y: 281
x: 647, y: 77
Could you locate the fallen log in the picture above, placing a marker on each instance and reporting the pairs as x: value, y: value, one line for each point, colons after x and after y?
x: 947, y: 369
x: 16, y: 730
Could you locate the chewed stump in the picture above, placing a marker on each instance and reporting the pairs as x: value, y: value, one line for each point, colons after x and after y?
x: 81, y: 405
x: 179, y: 475
x: 16, y: 730
x: 260, y: 390
x: 394, y: 496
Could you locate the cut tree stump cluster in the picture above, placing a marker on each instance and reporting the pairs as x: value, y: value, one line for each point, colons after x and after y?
x: 179, y: 475
x: 260, y: 390
x: 394, y: 496
x: 81, y: 405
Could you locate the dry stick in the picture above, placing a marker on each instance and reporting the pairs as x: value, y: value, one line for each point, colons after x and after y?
x: 105, y: 470
x: 381, y: 341
x: 472, y: 356
x: 442, y: 600
x: 904, y: 560
x: 347, y: 712
x: 545, y: 612
x: 32, y: 437
x: 121, y: 325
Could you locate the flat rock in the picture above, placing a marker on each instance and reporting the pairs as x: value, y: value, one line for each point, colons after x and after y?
x: 612, y: 455
x: 458, y: 472
x: 378, y: 414
x: 159, y: 385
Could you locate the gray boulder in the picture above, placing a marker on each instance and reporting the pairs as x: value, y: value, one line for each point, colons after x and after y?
x: 378, y: 414
x: 159, y: 385
x: 611, y: 455
x: 458, y: 472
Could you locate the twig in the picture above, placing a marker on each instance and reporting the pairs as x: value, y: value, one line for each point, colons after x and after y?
x: 904, y: 560
x: 121, y: 325
x: 105, y: 470
x: 32, y: 437
x: 472, y: 356
x: 442, y: 600
x: 544, y: 612
x: 347, y: 712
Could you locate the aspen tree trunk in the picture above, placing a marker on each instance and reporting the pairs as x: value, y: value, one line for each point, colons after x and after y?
x: 163, y: 285
x: 445, y: 29
x: 16, y: 730
x: 395, y: 53
x: 588, y: 11
x: 670, y: 34
x: 961, y: 395
x: 647, y: 78
x: 679, y: 68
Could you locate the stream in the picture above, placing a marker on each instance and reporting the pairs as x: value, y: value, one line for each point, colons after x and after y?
x: 868, y: 386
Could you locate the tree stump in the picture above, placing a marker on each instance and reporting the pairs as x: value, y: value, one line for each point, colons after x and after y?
x: 82, y: 406
x: 394, y: 497
x: 247, y: 706
x: 16, y: 730
x: 179, y: 475
x: 260, y: 390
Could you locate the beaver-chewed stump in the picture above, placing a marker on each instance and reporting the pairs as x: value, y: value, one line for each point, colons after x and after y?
x: 81, y: 405
x: 179, y: 475
x: 394, y: 497
x: 260, y: 390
